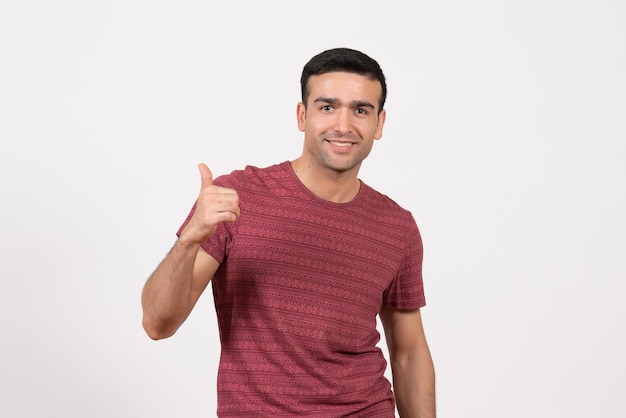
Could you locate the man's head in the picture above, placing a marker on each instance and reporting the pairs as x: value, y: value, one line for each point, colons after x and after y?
x: 343, y: 60
x: 341, y: 113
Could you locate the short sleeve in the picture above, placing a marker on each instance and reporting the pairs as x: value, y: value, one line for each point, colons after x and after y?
x: 406, y: 291
x: 217, y: 245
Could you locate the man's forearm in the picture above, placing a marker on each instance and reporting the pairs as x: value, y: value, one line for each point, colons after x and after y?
x: 414, y: 386
x: 166, y: 295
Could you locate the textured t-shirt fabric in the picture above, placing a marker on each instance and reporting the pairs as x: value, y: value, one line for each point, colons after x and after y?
x: 297, y: 293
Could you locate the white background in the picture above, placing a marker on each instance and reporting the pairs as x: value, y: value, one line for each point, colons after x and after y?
x: 505, y: 137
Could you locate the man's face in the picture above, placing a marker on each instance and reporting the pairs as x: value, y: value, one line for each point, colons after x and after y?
x: 341, y: 120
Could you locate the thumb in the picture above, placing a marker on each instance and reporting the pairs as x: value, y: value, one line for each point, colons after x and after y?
x: 205, y: 175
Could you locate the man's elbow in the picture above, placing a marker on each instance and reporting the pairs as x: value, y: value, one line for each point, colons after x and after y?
x: 158, y: 330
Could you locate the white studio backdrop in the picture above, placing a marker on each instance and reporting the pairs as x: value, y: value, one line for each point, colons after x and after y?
x: 505, y: 138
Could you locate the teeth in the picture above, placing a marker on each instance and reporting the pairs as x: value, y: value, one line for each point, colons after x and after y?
x: 341, y: 144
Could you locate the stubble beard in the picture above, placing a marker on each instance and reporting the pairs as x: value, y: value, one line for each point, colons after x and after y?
x: 342, y: 164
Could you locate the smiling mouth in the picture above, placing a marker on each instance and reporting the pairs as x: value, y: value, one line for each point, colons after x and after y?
x: 341, y: 144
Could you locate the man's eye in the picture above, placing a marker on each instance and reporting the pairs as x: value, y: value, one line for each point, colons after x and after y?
x: 327, y: 108
x: 361, y: 111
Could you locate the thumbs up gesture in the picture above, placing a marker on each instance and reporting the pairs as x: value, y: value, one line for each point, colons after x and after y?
x: 214, y: 205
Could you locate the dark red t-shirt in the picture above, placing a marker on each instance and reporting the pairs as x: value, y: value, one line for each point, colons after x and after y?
x: 299, y: 287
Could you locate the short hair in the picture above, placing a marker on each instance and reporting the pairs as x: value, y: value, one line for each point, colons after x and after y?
x: 343, y: 60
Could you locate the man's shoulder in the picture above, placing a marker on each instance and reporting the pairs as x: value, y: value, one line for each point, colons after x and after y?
x: 378, y: 198
x: 254, y: 177
x: 386, y: 209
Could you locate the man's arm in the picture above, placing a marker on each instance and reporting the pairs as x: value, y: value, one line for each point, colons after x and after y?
x: 411, y: 364
x: 174, y: 287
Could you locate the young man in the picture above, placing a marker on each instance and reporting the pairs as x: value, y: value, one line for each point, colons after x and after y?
x: 302, y: 257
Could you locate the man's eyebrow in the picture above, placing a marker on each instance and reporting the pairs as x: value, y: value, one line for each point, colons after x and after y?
x: 328, y: 100
x: 360, y: 103
x: 333, y: 101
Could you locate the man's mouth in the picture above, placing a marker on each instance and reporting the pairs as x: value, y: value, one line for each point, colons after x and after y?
x: 340, y: 144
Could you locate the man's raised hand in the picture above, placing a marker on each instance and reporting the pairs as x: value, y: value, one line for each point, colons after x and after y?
x: 214, y: 205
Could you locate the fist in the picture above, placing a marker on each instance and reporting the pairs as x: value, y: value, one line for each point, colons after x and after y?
x: 214, y: 205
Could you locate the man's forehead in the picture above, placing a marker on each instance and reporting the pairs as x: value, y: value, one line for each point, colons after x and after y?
x: 343, y: 77
x: 336, y: 84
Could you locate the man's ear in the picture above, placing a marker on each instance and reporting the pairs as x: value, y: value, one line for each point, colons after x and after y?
x: 301, y: 115
x: 381, y: 122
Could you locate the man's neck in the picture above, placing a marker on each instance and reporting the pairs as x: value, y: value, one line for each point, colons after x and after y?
x: 333, y: 186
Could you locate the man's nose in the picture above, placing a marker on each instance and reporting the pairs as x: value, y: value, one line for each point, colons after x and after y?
x: 343, y: 121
